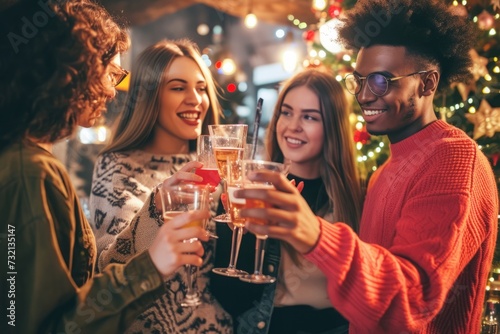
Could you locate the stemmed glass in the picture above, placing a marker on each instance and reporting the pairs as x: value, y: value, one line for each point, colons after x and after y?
x: 234, y: 182
x: 205, y: 155
x: 247, y: 167
x: 176, y: 200
x: 236, y: 135
x: 210, y: 172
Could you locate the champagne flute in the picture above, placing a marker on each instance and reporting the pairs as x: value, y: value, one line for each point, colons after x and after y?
x: 176, y: 200
x: 210, y: 172
x: 233, y: 174
x: 247, y: 167
x: 205, y: 154
x: 236, y: 136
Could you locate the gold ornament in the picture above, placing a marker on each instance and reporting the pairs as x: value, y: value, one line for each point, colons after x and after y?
x: 486, y: 120
x: 478, y: 65
x: 464, y: 88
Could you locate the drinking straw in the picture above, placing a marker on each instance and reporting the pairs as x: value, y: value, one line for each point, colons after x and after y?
x: 256, y: 125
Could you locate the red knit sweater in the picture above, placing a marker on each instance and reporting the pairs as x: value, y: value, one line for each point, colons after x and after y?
x: 426, y: 242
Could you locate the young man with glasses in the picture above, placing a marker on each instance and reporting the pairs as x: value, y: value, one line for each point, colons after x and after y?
x: 429, y: 223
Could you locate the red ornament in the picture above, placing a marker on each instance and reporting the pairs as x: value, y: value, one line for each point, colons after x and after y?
x: 494, y: 158
x: 309, y: 35
x: 361, y: 136
x: 334, y: 11
x: 231, y: 88
x: 485, y: 20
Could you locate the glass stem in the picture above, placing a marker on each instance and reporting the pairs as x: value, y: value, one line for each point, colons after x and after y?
x: 190, y: 281
x: 260, y: 251
x: 235, y: 246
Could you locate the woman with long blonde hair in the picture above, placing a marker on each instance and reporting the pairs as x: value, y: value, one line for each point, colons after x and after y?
x: 171, y: 101
x: 310, y: 129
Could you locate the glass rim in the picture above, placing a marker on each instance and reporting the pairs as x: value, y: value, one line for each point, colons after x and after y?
x: 235, y: 125
x: 263, y: 162
x: 185, y: 185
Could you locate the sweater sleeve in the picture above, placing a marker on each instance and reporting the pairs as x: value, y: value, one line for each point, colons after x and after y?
x: 447, y: 218
x: 135, y: 238
x: 116, y: 197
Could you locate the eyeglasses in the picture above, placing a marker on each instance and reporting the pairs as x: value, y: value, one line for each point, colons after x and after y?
x: 117, y: 77
x: 378, y: 83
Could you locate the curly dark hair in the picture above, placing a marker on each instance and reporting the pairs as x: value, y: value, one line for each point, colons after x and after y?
x: 54, y: 56
x: 426, y: 28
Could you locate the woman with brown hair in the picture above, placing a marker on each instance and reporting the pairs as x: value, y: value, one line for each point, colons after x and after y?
x: 310, y: 129
x: 171, y: 100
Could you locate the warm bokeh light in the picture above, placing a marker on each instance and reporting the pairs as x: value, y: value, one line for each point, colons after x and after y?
x: 251, y: 21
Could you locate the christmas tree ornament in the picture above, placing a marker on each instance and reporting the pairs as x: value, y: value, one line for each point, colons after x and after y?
x: 334, y: 11
x: 486, y: 120
x: 478, y: 65
x: 464, y: 88
x: 485, y: 20
x: 458, y: 10
x: 309, y: 35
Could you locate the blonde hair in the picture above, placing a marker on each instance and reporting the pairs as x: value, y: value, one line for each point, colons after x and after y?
x: 339, y: 170
x: 134, y: 128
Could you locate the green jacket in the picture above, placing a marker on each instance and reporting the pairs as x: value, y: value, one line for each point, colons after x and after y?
x: 48, y: 255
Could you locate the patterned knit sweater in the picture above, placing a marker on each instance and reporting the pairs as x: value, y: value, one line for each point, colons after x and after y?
x: 426, y: 240
x: 125, y: 223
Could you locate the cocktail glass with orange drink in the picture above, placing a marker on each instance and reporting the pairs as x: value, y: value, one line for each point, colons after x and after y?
x: 247, y: 167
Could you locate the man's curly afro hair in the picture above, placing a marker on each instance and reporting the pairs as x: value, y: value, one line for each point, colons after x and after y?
x: 427, y: 29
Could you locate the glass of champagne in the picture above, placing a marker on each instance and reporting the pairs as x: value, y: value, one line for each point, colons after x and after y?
x: 232, y: 147
x: 176, y: 200
x: 247, y: 167
x: 233, y: 177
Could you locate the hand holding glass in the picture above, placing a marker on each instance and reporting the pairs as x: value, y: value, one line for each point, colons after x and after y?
x: 176, y: 200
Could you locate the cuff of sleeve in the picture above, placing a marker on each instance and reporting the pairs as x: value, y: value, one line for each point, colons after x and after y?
x: 328, y: 247
x: 320, y: 221
x: 142, y: 274
x: 153, y: 211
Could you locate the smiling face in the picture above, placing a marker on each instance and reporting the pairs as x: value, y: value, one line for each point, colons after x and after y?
x: 401, y: 112
x: 299, y: 131
x: 183, y: 102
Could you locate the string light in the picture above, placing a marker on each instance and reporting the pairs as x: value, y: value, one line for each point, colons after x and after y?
x: 251, y: 21
x: 319, y: 5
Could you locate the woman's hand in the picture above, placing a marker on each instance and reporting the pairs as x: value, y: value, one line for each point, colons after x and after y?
x: 169, y: 251
x: 289, y: 219
x: 185, y: 174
